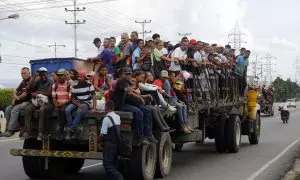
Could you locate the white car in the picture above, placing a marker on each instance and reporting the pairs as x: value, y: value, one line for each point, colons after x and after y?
x: 291, y: 103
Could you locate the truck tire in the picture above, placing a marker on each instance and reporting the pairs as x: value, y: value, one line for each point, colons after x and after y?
x: 143, y: 162
x: 74, y: 165
x: 220, y: 136
x: 233, y: 133
x: 254, y: 136
x: 164, y: 156
x: 34, y: 167
x: 178, y: 147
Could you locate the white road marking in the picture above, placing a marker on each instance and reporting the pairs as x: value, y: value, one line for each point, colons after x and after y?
x: 268, y: 164
x: 12, y: 139
x: 85, y: 167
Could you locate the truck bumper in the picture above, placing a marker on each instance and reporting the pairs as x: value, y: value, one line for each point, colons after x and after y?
x: 57, y: 154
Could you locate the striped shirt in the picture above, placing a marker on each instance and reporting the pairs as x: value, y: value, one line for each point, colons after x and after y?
x: 83, y: 93
x: 61, y: 92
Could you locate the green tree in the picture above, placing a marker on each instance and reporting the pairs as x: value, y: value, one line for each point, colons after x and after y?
x: 285, y: 89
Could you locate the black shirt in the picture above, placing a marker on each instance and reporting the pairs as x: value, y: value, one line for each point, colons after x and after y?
x: 120, y: 93
x: 22, y: 88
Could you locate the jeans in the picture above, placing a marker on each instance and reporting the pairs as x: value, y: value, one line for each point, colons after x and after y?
x: 182, y: 113
x: 62, y: 118
x: 138, y: 119
x: 110, y: 157
x: 45, y: 113
x: 147, y: 119
x: 79, y: 113
x: 12, y: 115
x: 158, y: 117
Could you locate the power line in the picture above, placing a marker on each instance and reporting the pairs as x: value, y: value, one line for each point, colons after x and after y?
x: 75, y: 23
x: 268, y: 67
x: 55, y: 47
x: 143, y: 26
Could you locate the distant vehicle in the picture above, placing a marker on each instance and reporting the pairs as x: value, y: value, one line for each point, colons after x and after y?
x: 291, y: 103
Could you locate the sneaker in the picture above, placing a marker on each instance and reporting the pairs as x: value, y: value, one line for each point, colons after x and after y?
x: 152, y: 139
x: 26, y: 136
x: 145, y: 141
x: 40, y: 136
x: 68, y: 136
x: 8, y: 134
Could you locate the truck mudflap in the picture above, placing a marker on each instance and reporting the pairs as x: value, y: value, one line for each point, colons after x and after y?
x: 57, y: 154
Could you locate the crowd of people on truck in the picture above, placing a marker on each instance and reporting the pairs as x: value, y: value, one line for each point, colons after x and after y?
x: 144, y: 76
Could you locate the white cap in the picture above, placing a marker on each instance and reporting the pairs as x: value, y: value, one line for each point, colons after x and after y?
x: 148, y: 38
x: 43, y: 69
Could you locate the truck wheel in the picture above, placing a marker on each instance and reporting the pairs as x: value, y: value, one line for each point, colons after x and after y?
x: 220, y: 137
x: 143, y: 162
x: 74, y: 165
x: 34, y: 167
x: 178, y: 147
x: 254, y: 136
x: 233, y: 134
x: 164, y: 155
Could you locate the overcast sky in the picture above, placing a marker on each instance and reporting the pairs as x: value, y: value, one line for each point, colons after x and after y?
x: 270, y: 26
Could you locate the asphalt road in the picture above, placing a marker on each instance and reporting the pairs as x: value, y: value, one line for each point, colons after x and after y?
x: 270, y: 159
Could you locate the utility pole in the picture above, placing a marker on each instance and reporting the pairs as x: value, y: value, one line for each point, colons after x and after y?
x: 143, y: 27
x: 255, y: 64
x: 55, y: 47
x: 184, y: 34
x: 269, y: 67
x: 75, y: 23
x: 236, y: 37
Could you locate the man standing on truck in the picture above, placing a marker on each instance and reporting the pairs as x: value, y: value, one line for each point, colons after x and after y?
x: 20, y: 101
x: 106, y: 57
x: 61, y: 94
x: 110, y: 134
x: 97, y: 43
x: 39, y: 86
x: 83, y: 99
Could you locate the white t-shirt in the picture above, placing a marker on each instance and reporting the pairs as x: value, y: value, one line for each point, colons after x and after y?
x: 197, y: 56
x: 164, y: 51
x: 177, y: 53
x: 106, y: 123
x: 100, y: 49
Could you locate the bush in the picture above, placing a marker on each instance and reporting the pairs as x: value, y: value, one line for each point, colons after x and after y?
x: 5, y: 98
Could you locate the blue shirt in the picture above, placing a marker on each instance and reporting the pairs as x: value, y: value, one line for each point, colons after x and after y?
x: 135, y: 56
x: 106, y: 56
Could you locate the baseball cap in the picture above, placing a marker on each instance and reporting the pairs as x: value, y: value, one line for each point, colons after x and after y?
x: 126, y: 70
x: 148, y: 38
x: 97, y: 40
x: 61, y: 72
x: 42, y: 69
x: 82, y: 74
x: 193, y: 41
x: 164, y: 74
x: 91, y: 73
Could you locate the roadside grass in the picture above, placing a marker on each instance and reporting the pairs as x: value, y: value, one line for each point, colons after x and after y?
x: 297, y: 176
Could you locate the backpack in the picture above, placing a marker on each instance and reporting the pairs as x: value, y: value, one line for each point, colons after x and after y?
x: 124, y: 145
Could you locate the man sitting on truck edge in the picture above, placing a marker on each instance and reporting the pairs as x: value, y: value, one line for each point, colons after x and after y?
x: 20, y: 101
x: 82, y: 96
x: 110, y: 134
x: 40, y: 88
x: 61, y: 94
x: 122, y: 92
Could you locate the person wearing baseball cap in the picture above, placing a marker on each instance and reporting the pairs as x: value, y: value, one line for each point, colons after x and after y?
x: 100, y: 48
x: 61, y: 95
x: 83, y: 99
x: 39, y: 87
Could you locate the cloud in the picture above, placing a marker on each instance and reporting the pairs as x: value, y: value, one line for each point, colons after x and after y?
x: 280, y: 42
